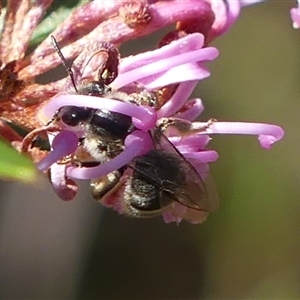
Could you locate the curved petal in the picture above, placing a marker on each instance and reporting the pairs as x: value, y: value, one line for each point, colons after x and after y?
x: 64, y: 143
x: 164, y: 65
x: 267, y: 134
x: 65, y: 188
x: 183, y: 91
x: 191, y: 110
x: 144, y: 117
x: 188, y: 43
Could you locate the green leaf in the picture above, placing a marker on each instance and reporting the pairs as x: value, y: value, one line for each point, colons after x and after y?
x: 14, y: 165
x: 57, y: 13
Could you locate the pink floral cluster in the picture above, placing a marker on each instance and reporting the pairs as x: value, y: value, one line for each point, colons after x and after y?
x: 180, y: 62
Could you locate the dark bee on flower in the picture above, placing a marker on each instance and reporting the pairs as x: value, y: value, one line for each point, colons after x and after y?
x: 148, y: 184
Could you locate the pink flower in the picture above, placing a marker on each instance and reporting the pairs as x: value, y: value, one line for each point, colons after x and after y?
x: 226, y: 13
x: 295, y: 16
x: 87, y: 25
x: 180, y: 63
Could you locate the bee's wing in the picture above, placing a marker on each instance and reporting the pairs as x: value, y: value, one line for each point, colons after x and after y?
x: 194, y: 192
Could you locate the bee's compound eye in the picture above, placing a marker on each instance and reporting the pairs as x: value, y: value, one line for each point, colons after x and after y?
x: 73, y: 115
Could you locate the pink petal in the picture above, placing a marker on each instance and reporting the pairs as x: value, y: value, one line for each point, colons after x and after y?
x: 177, y: 100
x: 267, y: 134
x: 186, y: 44
x: 191, y: 110
x: 295, y: 16
x: 146, y: 115
x: 179, y: 74
x: 164, y: 65
x: 64, y: 143
x: 65, y: 188
x: 226, y: 12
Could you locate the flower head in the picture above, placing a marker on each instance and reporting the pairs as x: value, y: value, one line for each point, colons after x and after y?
x: 168, y: 125
x: 119, y: 122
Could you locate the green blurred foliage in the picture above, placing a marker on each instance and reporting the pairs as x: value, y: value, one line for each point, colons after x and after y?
x: 57, y: 14
x: 14, y: 165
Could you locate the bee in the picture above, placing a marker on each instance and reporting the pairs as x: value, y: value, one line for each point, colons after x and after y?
x: 148, y: 184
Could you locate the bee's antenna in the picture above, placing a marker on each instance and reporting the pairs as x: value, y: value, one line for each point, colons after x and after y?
x: 64, y: 62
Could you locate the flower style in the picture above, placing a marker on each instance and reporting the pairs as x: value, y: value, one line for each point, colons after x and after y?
x: 179, y: 63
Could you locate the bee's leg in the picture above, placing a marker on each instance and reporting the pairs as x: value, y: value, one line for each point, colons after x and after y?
x: 184, y: 127
x: 102, y: 187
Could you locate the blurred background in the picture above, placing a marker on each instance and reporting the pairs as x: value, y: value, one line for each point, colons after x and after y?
x: 248, y: 249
